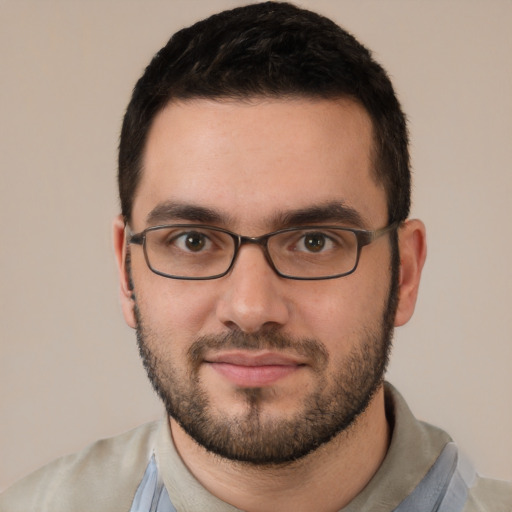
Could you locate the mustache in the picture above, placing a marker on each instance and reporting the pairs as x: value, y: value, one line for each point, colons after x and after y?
x: 268, y: 339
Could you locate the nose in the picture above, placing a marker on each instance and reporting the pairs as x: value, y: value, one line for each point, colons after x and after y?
x: 253, y: 294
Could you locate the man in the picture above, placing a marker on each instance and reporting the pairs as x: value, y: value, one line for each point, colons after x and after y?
x: 265, y: 255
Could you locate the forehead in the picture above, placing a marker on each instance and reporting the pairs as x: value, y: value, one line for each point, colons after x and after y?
x: 250, y: 159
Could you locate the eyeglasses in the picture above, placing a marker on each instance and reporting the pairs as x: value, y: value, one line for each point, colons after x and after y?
x: 198, y: 252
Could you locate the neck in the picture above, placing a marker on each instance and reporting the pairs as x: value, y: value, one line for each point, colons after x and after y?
x: 325, y: 480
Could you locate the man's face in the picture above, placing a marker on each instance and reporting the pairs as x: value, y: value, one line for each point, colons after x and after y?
x: 253, y: 366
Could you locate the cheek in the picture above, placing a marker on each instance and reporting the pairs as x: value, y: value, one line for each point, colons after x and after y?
x: 337, y: 311
x: 178, y: 309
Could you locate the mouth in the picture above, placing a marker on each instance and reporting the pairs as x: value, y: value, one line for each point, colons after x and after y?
x: 249, y: 370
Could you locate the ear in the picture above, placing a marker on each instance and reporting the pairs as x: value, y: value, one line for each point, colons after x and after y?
x: 413, y: 252
x: 126, y: 292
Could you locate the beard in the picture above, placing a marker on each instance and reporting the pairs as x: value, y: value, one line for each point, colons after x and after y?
x: 254, y: 437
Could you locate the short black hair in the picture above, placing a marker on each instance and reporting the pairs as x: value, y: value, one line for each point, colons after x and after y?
x: 269, y: 49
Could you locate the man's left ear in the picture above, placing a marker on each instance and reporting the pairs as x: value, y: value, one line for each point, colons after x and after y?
x: 412, y: 239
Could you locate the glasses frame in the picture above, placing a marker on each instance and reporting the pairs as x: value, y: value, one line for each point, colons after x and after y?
x: 364, y: 237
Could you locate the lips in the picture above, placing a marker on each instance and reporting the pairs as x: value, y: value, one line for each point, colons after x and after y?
x: 245, y: 369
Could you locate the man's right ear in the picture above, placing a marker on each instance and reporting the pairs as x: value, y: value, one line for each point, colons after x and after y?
x: 125, y: 285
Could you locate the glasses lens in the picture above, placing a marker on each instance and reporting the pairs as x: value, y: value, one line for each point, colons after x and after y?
x: 189, y: 251
x: 314, y: 253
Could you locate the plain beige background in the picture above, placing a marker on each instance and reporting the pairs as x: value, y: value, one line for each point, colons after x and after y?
x: 69, y: 369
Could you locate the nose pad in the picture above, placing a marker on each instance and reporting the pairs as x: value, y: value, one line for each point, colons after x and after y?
x: 261, y: 242
x: 253, y: 296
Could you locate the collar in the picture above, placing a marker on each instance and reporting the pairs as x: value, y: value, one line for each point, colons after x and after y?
x: 414, y: 448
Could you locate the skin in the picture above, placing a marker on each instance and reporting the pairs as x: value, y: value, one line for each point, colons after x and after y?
x: 251, y: 162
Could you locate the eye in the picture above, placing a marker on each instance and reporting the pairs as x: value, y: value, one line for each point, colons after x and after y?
x: 315, y: 242
x: 192, y: 241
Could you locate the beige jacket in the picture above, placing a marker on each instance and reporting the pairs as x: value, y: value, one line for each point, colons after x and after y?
x: 105, y: 476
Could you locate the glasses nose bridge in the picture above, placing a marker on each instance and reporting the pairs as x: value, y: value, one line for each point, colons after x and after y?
x: 262, y: 241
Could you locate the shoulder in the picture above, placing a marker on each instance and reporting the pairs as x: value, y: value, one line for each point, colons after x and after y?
x: 103, y: 476
x: 487, y: 494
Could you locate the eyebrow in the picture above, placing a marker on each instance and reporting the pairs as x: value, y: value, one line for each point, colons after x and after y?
x: 170, y: 211
x: 332, y: 211
x: 329, y: 212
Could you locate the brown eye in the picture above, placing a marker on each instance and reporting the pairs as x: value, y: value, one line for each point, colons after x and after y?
x: 314, y: 242
x: 194, y: 241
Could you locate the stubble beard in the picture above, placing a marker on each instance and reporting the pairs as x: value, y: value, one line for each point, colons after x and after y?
x: 253, y: 437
